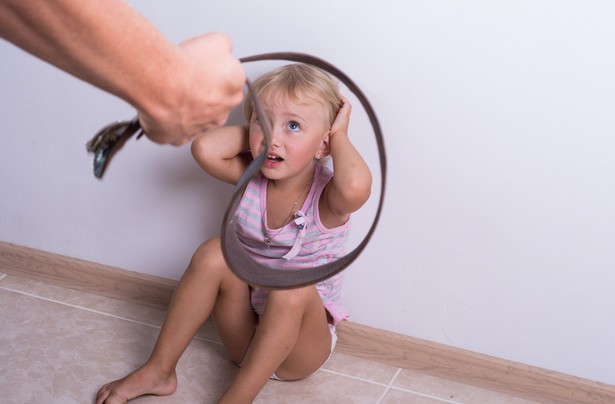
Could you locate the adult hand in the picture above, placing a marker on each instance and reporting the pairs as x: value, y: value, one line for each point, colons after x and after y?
x: 209, y: 83
x: 178, y: 91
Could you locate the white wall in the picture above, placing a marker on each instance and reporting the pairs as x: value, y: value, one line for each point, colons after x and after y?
x: 499, y: 226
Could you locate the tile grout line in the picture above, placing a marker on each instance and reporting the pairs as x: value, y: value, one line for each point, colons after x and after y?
x: 77, y: 307
x: 352, y: 377
x: 416, y: 393
x: 102, y: 313
x: 388, y: 387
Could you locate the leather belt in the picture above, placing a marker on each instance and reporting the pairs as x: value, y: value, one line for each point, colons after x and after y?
x: 111, y: 138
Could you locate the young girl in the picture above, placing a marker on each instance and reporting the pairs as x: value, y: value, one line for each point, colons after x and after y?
x: 294, y: 213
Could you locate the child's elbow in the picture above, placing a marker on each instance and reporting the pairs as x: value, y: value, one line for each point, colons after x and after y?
x: 358, y: 191
x: 200, y: 150
x: 197, y: 146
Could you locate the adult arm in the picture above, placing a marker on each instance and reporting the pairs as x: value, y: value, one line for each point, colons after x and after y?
x: 179, y: 91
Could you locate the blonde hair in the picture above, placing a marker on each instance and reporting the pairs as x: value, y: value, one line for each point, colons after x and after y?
x: 296, y: 82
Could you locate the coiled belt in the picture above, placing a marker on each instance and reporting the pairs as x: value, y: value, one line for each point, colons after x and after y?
x: 111, y: 138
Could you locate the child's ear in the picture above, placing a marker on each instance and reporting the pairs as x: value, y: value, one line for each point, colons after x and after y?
x: 324, y: 149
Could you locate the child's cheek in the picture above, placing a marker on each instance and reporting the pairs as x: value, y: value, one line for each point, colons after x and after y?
x: 256, y: 143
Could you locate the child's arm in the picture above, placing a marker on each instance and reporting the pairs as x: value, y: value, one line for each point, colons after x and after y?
x: 223, y: 152
x: 352, y: 180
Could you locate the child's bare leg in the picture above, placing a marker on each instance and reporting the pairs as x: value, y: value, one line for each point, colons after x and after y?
x: 292, y: 340
x: 235, y: 320
x: 206, y: 282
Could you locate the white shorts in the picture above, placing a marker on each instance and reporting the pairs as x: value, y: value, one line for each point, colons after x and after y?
x: 333, y: 342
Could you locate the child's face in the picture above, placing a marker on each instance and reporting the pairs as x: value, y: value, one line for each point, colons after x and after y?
x: 298, y: 134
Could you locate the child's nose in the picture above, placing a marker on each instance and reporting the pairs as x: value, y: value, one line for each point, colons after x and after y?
x: 275, y: 136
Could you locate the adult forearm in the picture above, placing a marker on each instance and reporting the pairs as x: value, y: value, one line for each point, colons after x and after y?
x: 179, y: 91
x: 105, y: 43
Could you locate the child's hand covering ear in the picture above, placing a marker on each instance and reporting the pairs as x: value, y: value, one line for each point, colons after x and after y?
x: 340, y: 124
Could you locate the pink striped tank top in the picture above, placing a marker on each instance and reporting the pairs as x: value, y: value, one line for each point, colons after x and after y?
x: 302, y: 243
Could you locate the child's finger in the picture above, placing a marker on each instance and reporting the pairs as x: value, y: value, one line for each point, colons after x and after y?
x: 343, y: 116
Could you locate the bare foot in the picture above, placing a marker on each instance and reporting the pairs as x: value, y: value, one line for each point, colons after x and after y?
x: 145, y: 380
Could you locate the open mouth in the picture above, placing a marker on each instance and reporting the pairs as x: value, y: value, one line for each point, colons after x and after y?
x: 274, y: 159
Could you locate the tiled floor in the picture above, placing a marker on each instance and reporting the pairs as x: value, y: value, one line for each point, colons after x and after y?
x: 58, y: 346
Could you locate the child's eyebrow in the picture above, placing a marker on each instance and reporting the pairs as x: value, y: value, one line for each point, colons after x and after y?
x: 296, y: 116
x: 288, y: 114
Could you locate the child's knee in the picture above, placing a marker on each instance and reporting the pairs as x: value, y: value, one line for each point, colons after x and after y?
x: 208, y: 256
x: 293, y: 299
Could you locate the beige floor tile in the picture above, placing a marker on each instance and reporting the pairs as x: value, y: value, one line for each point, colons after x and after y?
x: 54, y: 353
x: 63, y: 344
x: 133, y: 311
x: 140, y: 313
x: 204, y: 372
x: 59, y: 345
x: 361, y: 368
x: 403, y: 397
x: 451, y: 390
x: 321, y: 387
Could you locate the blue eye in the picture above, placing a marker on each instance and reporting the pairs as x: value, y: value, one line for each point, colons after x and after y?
x: 294, y: 126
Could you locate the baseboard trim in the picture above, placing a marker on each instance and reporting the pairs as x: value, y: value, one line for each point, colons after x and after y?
x: 84, y: 275
x: 468, y: 367
x: 354, y: 339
